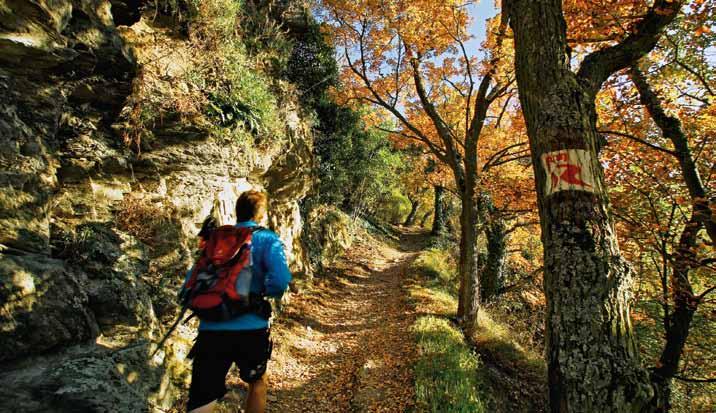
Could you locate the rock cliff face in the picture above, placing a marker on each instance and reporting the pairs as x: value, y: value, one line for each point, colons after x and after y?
x: 94, y: 236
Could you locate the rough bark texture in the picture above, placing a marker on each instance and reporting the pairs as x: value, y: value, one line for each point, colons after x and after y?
x: 493, y: 272
x: 425, y: 218
x: 592, y: 357
x: 469, y: 265
x: 440, y: 219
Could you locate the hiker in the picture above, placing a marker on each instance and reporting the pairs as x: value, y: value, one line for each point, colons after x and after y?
x: 245, y: 338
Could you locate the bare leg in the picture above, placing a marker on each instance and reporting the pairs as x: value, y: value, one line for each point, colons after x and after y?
x: 207, y: 408
x: 256, y: 400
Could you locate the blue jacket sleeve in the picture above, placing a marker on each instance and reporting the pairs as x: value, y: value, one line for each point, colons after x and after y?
x: 277, y: 273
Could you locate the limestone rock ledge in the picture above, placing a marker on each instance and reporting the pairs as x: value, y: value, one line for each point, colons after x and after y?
x: 94, y: 237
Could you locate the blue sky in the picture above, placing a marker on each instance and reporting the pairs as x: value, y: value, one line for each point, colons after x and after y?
x: 480, y: 12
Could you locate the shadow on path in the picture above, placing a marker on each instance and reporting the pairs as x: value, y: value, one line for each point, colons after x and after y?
x: 344, y: 344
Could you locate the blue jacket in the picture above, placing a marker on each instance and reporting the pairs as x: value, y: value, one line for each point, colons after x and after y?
x: 270, y: 270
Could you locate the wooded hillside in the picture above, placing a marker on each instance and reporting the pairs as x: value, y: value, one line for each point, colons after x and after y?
x: 515, y: 216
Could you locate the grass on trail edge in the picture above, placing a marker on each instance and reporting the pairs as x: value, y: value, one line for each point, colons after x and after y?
x: 446, y: 370
x: 449, y: 375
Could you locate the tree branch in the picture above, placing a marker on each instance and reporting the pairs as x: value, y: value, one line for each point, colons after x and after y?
x: 599, y: 65
x: 520, y: 225
x: 692, y: 380
x: 705, y: 293
x: 482, y: 99
x: 520, y: 282
x: 379, y: 101
x: 516, y: 157
x: 672, y: 129
x: 436, y: 150
x: 639, y: 140
x: 497, y: 156
x: 689, y: 69
x: 443, y: 131
x: 503, y: 110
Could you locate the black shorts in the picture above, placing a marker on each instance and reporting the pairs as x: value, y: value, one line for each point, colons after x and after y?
x: 213, y: 354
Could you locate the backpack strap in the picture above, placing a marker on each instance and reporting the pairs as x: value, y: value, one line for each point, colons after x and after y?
x: 263, y: 288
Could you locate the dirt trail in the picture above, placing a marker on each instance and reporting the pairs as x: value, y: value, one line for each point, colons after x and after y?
x: 345, y: 345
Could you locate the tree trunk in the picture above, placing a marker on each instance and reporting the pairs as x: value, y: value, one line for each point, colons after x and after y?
x: 448, y: 210
x: 468, y: 265
x: 493, y: 273
x: 410, y: 220
x: 425, y: 218
x: 439, y: 219
x: 592, y: 357
x: 678, y: 323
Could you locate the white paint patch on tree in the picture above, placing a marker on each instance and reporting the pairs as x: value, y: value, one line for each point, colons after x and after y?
x: 569, y: 170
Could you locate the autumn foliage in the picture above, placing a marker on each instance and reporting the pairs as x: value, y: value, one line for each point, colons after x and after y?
x: 654, y: 139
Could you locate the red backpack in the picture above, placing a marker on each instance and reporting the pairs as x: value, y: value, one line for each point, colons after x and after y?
x: 219, y: 286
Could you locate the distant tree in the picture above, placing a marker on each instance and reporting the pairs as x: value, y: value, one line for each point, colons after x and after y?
x: 410, y: 60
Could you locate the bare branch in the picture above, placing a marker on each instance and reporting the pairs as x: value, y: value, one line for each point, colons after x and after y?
x: 688, y: 68
x: 505, y: 160
x: 482, y: 101
x: 443, y: 130
x: 636, y: 139
x: 599, y: 65
x: 672, y: 128
x: 708, y: 291
x: 454, y: 86
x: 468, y: 69
x: 498, y: 92
x: 379, y: 101
x: 504, y: 109
x: 521, y: 281
x: 495, y: 157
x: 436, y: 150
x: 693, y: 380
x: 519, y: 225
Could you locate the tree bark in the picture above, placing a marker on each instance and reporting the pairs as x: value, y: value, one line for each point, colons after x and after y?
x: 469, y: 300
x: 439, y: 219
x: 493, y: 272
x: 410, y: 220
x: 592, y: 358
x: 678, y: 323
x: 448, y: 210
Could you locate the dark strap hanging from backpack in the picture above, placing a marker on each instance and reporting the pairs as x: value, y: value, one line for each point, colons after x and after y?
x: 172, y: 328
